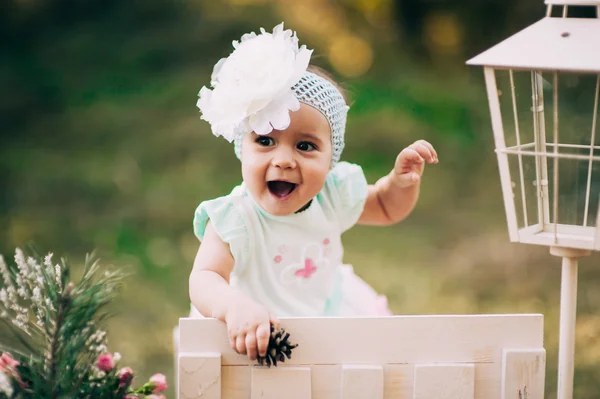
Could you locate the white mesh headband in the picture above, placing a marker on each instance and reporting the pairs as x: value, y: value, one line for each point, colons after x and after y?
x: 322, y: 95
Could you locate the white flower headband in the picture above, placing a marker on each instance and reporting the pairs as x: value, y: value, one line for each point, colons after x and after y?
x: 252, y: 87
x: 262, y: 80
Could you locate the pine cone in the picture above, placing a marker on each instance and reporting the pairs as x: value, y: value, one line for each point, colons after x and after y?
x: 279, y: 348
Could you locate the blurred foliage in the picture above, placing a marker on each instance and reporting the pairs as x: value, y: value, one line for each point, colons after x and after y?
x: 101, y: 147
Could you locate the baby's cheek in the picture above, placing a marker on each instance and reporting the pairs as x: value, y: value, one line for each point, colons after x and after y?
x: 319, y: 177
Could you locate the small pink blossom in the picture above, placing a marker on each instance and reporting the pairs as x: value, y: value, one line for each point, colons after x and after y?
x: 277, y: 259
x: 8, y: 366
x: 158, y: 382
x: 125, y: 375
x: 8, y: 363
x: 105, y: 362
x: 326, y: 241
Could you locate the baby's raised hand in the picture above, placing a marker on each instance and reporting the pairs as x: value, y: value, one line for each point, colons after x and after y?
x: 249, y: 326
x: 411, y: 162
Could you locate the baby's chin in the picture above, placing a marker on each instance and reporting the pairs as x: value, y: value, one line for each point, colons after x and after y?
x: 276, y: 204
x: 275, y: 208
x: 280, y: 210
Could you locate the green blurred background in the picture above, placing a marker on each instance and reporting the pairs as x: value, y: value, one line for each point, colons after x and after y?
x: 102, y: 147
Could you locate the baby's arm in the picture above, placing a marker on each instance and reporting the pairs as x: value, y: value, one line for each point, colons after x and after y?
x: 395, y: 195
x: 248, y: 323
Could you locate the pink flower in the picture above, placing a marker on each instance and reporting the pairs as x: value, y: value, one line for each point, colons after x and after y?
x: 125, y: 376
x: 8, y: 366
x: 131, y: 397
x: 8, y: 363
x: 158, y: 382
x: 277, y: 259
x: 105, y: 362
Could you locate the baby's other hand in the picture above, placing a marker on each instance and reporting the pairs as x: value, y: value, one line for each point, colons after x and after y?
x: 411, y: 162
x: 249, y: 326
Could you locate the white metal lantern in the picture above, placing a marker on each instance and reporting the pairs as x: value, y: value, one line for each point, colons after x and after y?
x: 543, y: 85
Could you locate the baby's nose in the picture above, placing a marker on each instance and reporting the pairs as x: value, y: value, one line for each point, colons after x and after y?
x: 284, y: 159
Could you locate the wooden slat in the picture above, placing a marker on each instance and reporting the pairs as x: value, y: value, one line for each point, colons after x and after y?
x: 199, y: 376
x: 280, y: 382
x: 523, y: 374
x: 444, y: 381
x: 360, y: 382
x: 398, y: 381
x: 387, y: 340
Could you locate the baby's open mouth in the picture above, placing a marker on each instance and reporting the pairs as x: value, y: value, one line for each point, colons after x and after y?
x: 280, y: 188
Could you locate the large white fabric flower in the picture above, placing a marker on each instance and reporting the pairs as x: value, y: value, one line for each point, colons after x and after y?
x: 252, y: 88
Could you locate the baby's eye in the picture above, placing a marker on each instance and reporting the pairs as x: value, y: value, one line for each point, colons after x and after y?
x: 306, y: 146
x: 265, y: 141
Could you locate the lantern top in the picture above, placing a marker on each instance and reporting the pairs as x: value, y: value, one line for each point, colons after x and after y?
x: 561, y: 44
x: 573, y: 2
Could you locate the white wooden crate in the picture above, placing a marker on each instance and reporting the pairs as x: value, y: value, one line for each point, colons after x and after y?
x: 400, y: 357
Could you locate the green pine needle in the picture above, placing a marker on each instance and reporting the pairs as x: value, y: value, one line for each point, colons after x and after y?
x: 58, y: 325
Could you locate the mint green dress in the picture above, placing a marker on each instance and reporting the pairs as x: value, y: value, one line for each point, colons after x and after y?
x: 293, y: 264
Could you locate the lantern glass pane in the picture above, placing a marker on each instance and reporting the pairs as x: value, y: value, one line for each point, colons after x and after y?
x: 525, y: 190
x: 550, y: 123
x: 514, y: 95
x: 576, y: 95
x: 572, y: 191
x: 520, y: 124
x: 578, y: 142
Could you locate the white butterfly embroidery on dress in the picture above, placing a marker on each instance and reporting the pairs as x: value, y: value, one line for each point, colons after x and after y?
x: 312, y: 264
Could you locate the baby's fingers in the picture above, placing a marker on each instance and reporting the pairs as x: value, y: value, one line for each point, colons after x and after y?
x: 423, y: 150
x: 274, y: 320
x: 263, y: 333
x: 240, y: 344
x: 407, y: 179
x: 251, y: 346
x: 409, y: 157
x: 232, y: 339
x: 429, y: 148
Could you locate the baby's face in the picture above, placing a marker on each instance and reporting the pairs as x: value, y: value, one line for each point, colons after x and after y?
x: 285, y: 169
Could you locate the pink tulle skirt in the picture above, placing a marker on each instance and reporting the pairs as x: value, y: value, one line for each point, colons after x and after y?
x: 358, y: 298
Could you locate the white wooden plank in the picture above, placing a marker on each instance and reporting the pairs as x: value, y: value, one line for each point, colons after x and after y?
x: 398, y: 381
x: 444, y: 381
x: 199, y: 376
x: 397, y: 339
x: 325, y: 381
x: 543, y: 46
x: 360, y: 382
x: 280, y: 382
x: 523, y: 373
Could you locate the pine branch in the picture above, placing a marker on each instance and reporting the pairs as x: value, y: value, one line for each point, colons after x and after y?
x: 22, y: 341
x: 59, y: 323
x: 63, y: 304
